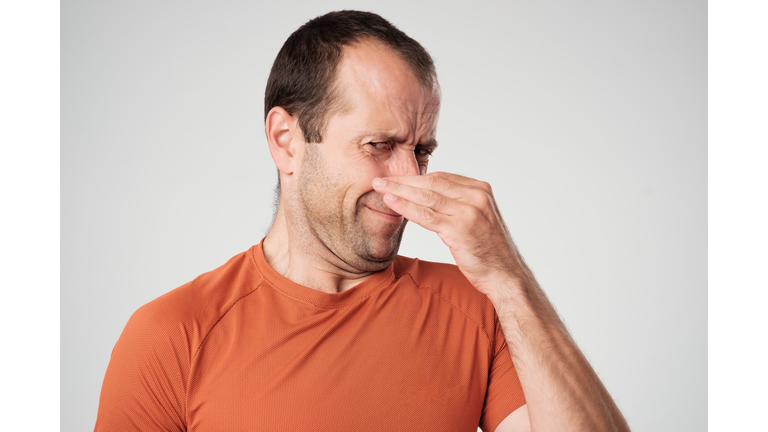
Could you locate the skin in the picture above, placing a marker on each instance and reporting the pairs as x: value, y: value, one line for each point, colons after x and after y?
x: 562, y: 391
x: 345, y: 202
x: 332, y: 230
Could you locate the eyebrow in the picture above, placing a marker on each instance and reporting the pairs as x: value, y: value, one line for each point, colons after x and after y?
x: 431, y: 143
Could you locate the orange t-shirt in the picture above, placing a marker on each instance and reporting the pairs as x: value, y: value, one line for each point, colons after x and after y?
x: 241, y: 348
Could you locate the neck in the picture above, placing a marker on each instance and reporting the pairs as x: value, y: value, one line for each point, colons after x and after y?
x: 301, y: 258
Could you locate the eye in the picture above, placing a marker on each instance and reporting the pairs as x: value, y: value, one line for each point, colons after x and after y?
x: 422, y: 153
x: 379, y: 148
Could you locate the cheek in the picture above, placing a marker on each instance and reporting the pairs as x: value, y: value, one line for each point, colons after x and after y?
x: 367, y: 168
x: 359, y: 183
x: 352, y: 176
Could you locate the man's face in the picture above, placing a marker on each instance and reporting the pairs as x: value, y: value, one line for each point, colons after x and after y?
x: 386, y: 129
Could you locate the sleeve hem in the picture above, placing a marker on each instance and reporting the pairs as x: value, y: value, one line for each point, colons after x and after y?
x: 495, y: 414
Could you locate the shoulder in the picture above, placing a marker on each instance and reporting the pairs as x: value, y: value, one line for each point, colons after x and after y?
x: 145, y: 385
x: 451, y: 286
x: 444, y: 278
x: 193, y: 309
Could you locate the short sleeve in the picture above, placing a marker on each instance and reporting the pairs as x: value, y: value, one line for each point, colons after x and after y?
x: 504, y: 393
x: 144, y: 386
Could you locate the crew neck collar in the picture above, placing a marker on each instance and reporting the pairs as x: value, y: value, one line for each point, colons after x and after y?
x: 318, y: 298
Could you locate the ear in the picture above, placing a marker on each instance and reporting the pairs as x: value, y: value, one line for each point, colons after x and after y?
x: 284, y: 137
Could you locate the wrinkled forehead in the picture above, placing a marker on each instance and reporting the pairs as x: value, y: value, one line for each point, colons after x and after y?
x: 372, y: 77
x: 374, y: 55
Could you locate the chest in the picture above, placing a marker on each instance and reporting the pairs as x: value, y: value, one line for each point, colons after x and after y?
x: 392, y: 362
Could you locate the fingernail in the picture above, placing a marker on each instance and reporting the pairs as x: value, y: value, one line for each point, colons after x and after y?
x: 378, y: 182
x: 389, y: 197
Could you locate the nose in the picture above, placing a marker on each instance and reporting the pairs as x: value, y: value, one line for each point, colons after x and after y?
x: 403, y: 162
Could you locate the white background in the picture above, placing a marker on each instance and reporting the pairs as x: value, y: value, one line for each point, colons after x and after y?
x: 588, y: 119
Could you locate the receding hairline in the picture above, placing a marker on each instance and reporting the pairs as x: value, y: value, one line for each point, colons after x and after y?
x: 428, y: 80
x: 338, y: 104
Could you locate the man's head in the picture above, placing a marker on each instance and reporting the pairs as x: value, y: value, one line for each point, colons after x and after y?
x: 369, y: 109
x: 303, y: 79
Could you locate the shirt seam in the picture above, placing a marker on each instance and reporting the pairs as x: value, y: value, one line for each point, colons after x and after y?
x: 202, y: 342
x: 443, y: 298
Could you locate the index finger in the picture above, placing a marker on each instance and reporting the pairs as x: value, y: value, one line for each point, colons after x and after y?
x: 463, y: 180
x: 429, y: 182
x: 440, y: 181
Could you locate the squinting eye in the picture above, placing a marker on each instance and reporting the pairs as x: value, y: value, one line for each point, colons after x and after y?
x: 422, y: 152
x: 379, y: 145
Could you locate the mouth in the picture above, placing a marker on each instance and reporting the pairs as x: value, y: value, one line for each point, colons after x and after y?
x: 388, y: 215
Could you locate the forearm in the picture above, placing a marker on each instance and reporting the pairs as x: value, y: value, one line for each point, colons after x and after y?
x: 562, y: 391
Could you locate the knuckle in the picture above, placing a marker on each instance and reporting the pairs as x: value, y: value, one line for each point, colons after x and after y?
x: 480, y: 197
x: 427, y: 215
x: 437, y: 200
x: 485, y: 186
x: 475, y: 216
x: 445, y: 183
x: 425, y: 195
x: 429, y: 198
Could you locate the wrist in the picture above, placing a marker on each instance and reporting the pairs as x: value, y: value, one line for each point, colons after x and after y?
x: 506, y: 291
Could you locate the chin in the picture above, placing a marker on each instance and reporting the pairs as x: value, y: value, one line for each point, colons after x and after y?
x: 383, y: 255
x: 374, y: 248
x: 381, y: 252
x: 372, y: 264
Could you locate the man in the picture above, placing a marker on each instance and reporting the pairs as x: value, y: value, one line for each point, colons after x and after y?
x: 322, y: 326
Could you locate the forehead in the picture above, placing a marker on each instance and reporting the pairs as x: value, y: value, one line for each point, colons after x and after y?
x: 378, y: 88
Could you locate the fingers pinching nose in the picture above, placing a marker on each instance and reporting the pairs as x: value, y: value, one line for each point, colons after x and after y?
x: 379, y: 182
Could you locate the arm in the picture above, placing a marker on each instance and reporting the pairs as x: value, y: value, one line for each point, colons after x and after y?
x: 562, y: 391
x: 145, y: 383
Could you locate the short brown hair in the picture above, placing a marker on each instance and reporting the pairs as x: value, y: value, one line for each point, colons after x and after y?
x: 302, y: 76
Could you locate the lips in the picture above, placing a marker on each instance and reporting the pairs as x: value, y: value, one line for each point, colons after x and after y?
x: 374, y: 201
x: 385, y: 212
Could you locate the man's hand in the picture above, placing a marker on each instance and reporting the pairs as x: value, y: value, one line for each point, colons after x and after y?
x: 463, y: 212
x: 562, y: 391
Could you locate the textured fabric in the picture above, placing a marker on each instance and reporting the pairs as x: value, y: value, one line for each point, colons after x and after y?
x: 241, y: 348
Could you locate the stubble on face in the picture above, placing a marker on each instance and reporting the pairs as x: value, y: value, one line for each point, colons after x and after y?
x: 339, y: 225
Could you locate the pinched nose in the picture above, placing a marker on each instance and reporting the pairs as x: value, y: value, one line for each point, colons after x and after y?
x: 403, y: 162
